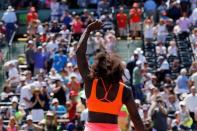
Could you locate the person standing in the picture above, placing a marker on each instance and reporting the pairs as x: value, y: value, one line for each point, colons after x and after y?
x: 122, y: 22
x: 29, y: 53
x: 104, y: 88
x: 10, y: 19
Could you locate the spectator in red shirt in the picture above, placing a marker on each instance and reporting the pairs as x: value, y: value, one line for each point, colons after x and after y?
x: 72, y: 106
x: 77, y: 27
x: 32, y: 15
x: 135, y: 19
x: 122, y: 22
x: 73, y: 85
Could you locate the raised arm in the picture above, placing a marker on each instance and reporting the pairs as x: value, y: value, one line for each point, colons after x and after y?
x: 82, y: 47
x: 128, y: 100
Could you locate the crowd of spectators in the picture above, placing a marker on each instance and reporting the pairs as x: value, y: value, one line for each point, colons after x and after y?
x: 44, y: 90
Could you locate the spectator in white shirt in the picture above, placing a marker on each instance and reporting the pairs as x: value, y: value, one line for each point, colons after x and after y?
x: 191, y: 100
x: 13, y: 75
x: 55, y: 10
x: 160, y: 49
x: 148, y: 30
x: 161, y: 31
x: 172, y: 49
x: 9, y: 17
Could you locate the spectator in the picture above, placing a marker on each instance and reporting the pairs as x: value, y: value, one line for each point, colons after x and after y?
x: 193, y: 68
x: 182, y: 83
x: 158, y: 114
x: 37, y: 100
x: 10, y: 19
x: 55, y: 10
x: 40, y: 60
x: 110, y: 42
x: 122, y: 22
x: 184, y: 23
x: 59, y: 61
x: 50, y: 124
x: 6, y: 94
x: 59, y: 92
x: 135, y: 19
x: 174, y: 11
x: 77, y: 27
x: 193, y: 4
x: 193, y: 16
x: 60, y: 110
x: 30, y: 125
x: 194, y: 36
x: 185, y: 121
x: 160, y: 49
x: 103, y: 6
x: 32, y: 15
x: 137, y: 81
x: 172, y: 49
x: 148, y: 30
x: 12, y: 126
x: 30, y: 56
x: 191, y: 105
x: 72, y: 106
x: 161, y: 31
x: 99, y: 42
x: 25, y: 97
x: 67, y: 19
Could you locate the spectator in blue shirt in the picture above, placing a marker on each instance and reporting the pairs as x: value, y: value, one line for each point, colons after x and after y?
x: 58, y: 109
x: 59, y: 61
x: 67, y: 19
x: 40, y: 60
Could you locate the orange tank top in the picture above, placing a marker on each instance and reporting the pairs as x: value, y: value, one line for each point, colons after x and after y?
x: 109, y: 107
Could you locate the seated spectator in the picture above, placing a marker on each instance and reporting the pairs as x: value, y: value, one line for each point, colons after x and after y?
x: 12, y: 125
x: 74, y: 84
x: 50, y: 122
x: 174, y: 10
x: 13, y: 75
x: 110, y: 42
x: 37, y: 100
x: 102, y: 6
x: 99, y: 42
x: 185, y: 120
x: 182, y: 83
x: 6, y: 94
x: 72, y: 105
x: 172, y: 49
x: 59, y: 92
x: 160, y: 49
x: 60, y: 110
x: 30, y: 125
x: 194, y: 36
x: 193, y: 17
x: 193, y: 68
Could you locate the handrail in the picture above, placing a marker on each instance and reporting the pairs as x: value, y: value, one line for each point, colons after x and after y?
x: 10, y: 45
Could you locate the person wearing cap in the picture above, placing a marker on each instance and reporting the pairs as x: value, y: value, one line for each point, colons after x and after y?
x: 137, y: 81
x: 122, y: 22
x: 32, y: 15
x: 185, y: 120
x: 74, y: 83
x: 59, y: 60
x: 158, y: 113
x: 10, y: 19
x: 72, y: 105
x: 30, y: 125
x: 60, y: 110
x: 40, y: 60
x: 104, y: 80
x: 29, y: 54
x: 50, y: 123
x: 191, y: 104
x: 135, y: 19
